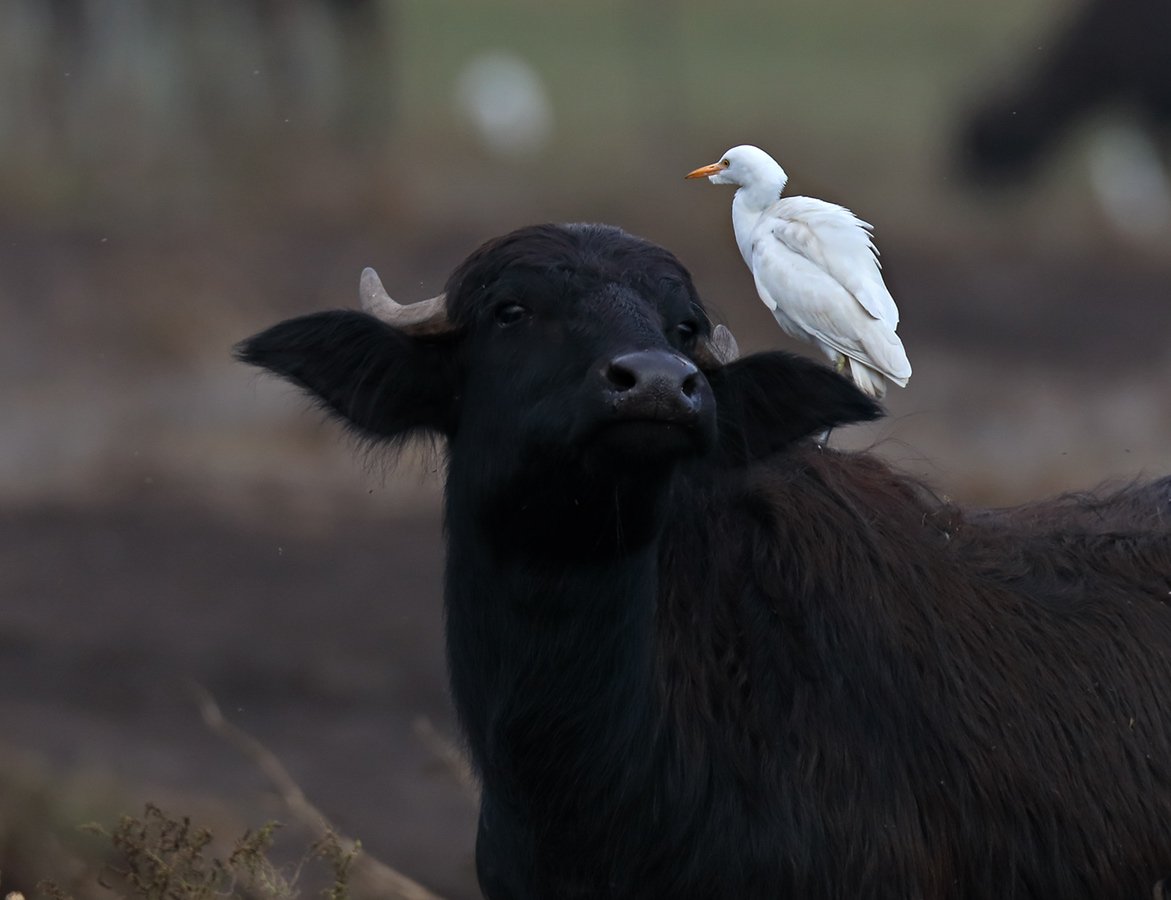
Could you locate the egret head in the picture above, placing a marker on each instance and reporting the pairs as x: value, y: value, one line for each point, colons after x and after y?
x: 746, y: 166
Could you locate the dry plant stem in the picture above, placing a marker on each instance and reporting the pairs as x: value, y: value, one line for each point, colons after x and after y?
x: 369, y: 877
x: 449, y: 754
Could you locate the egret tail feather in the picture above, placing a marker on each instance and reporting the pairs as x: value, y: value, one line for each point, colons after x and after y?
x: 870, y: 382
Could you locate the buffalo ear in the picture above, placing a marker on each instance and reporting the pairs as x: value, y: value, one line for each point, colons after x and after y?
x: 769, y: 400
x: 383, y: 383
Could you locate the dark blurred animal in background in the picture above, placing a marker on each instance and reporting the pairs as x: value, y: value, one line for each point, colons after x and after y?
x: 1111, y: 53
x: 695, y: 655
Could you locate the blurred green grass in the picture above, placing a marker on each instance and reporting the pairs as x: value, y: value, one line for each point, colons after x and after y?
x: 170, y: 114
x: 837, y: 70
x: 858, y: 100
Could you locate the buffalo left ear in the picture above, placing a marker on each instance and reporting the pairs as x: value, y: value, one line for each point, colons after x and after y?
x: 383, y: 383
x: 770, y: 400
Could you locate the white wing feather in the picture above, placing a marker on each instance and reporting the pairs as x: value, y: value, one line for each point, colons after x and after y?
x: 810, y: 303
x: 839, y: 243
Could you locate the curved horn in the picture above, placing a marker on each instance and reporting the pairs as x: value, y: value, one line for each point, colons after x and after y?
x: 717, y: 350
x: 424, y: 317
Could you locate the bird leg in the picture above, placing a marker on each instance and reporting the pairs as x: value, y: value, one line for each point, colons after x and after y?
x: 840, y: 367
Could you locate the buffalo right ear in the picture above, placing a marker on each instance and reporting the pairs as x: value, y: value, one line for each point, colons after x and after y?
x: 383, y: 383
x: 769, y: 400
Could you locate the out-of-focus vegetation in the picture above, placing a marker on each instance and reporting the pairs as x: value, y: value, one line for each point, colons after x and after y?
x: 160, y: 857
x: 163, y: 858
x: 138, y: 112
x: 40, y: 835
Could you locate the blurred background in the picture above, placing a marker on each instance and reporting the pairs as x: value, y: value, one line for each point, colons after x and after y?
x: 175, y: 176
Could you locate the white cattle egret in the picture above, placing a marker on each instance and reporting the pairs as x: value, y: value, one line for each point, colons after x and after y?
x: 816, y: 269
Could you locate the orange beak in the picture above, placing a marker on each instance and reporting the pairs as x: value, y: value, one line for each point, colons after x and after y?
x: 704, y: 171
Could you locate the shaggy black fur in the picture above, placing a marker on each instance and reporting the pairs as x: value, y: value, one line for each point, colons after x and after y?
x: 755, y: 667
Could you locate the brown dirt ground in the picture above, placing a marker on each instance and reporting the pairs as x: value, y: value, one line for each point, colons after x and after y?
x: 326, y: 647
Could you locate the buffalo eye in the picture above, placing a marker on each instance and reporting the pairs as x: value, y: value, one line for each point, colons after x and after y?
x: 687, y: 331
x: 509, y: 314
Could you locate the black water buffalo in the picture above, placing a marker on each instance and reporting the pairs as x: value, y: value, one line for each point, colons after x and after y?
x: 697, y: 655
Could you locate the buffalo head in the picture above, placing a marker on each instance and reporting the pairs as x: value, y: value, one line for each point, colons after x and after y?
x: 556, y: 349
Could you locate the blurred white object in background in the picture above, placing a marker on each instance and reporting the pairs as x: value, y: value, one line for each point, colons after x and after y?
x: 1130, y: 182
x: 506, y: 103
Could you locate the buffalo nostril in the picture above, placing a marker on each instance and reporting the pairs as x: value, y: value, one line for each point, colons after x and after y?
x: 659, y: 383
x: 621, y: 377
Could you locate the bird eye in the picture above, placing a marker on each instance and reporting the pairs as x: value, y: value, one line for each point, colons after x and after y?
x: 509, y: 314
x: 724, y: 162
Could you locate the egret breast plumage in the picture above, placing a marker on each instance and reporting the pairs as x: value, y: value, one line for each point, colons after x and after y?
x: 816, y: 268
